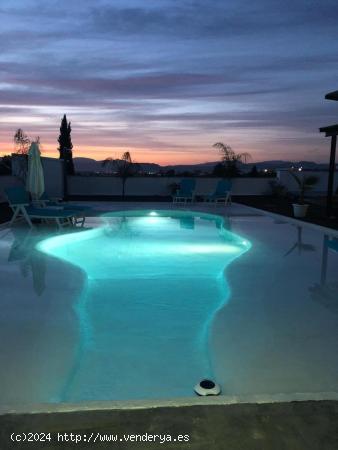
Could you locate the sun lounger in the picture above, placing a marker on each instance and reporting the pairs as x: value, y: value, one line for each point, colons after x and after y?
x: 21, y: 206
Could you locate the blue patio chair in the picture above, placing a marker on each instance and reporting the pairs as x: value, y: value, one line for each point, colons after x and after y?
x: 222, y: 193
x: 21, y: 206
x: 186, y: 192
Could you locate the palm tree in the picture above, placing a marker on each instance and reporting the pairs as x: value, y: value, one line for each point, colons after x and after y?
x: 230, y: 159
x: 123, y: 167
x: 305, y: 183
x: 22, y: 142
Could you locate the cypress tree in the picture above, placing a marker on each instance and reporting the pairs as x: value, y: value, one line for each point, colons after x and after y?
x: 65, y: 145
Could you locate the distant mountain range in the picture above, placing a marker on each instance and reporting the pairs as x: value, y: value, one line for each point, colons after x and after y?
x: 91, y: 165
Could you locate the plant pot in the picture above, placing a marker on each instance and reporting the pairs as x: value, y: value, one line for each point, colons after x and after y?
x: 299, y: 210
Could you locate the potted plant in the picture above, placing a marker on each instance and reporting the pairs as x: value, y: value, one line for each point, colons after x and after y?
x: 173, y: 188
x: 305, y: 183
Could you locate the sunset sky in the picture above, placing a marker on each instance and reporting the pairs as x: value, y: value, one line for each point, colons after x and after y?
x: 166, y: 79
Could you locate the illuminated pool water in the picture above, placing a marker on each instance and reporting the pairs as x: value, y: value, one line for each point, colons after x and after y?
x: 154, y: 281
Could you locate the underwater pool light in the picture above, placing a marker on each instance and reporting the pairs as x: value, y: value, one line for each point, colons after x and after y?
x: 153, y: 213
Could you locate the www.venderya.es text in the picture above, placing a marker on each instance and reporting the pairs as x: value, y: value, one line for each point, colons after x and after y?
x: 96, y: 437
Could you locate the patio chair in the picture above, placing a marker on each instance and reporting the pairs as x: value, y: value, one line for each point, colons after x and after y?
x: 21, y: 206
x: 222, y: 193
x: 186, y: 191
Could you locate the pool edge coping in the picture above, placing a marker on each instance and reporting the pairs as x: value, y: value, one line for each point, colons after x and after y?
x: 293, y: 220
x: 107, y: 405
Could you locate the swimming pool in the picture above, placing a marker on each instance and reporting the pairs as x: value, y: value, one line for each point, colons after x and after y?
x: 154, y: 281
x: 144, y: 304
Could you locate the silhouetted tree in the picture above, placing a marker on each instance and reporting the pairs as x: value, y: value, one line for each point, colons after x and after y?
x: 21, y: 141
x: 254, y: 172
x: 187, y: 173
x: 123, y: 167
x: 169, y: 173
x: 65, y: 145
x: 230, y: 159
x: 6, y: 165
x: 220, y: 170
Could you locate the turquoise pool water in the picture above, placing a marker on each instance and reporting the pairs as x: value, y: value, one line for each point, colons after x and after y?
x: 153, y: 282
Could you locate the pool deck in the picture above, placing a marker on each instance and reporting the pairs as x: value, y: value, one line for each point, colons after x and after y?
x: 309, y: 422
x: 273, y: 426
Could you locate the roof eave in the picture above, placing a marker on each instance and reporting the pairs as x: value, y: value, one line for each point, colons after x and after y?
x: 332, y: 96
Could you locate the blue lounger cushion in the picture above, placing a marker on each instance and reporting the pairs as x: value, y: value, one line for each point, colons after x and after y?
x: 50, y: 212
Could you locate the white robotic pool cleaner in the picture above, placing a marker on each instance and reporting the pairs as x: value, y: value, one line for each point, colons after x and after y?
x: 207, y: 387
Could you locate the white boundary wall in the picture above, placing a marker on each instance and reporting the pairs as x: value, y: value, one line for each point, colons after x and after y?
x: 54, y: 176
x: 159, y: 186
x: 155, y: 186
x: 143, y: 186
x: 318, y: 189
x: 7, y: 181
x: 53, y: 171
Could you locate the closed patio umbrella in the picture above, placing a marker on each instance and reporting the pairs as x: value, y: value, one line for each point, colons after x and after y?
x: 35, y: 183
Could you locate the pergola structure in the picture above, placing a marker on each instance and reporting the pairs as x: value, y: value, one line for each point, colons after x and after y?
x: 332, y: 95
x: 331, y: 131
